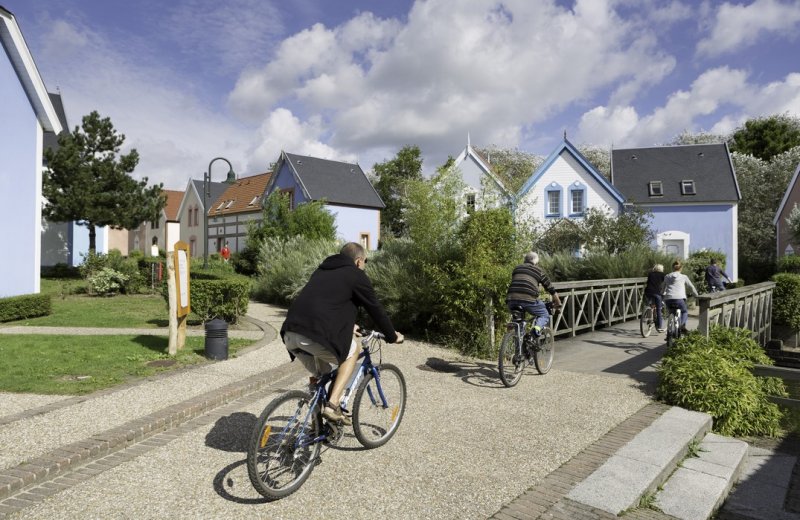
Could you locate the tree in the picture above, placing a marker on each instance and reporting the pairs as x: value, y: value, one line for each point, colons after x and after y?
x: 512, y: 165
x: 308, y: 220
x: 600, y: 158
x: 766, y: 137
x: 87, y: 181
x: 392, y: 176
x: 700, y: 138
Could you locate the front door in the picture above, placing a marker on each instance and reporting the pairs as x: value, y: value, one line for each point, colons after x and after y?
x: 674, y: 248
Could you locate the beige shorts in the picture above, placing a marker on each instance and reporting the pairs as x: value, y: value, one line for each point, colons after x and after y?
x: 315, y: 357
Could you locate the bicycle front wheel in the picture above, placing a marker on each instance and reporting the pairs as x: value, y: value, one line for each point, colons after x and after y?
x: 373, y: 422
x: 511, y: 362
x: 284, y: 447
x: 646, y: 322
x: 543, y: 355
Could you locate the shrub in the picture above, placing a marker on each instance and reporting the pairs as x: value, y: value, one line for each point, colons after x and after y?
x: 106, y: 282
x: 25, y: 306
x: 226, y: 299
x: 285, y: 266
x: 60, y: 270
x: 786, y: 300
x: 789, y: 264
x: 712, y: 375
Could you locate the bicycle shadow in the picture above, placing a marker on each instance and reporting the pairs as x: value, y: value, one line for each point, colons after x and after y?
x: 478, y: 374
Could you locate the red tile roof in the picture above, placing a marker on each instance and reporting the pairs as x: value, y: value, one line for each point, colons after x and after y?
x: 243, y: 196
x: 174, y: 199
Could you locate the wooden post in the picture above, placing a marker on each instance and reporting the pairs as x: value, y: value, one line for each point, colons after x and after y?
x: 178, y: 286
x: 490, y: 320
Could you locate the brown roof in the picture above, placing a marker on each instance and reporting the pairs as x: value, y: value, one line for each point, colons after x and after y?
x: 243, y: 196
x: 174, y: 199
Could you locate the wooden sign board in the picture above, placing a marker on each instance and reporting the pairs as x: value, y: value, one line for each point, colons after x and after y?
x: 181, y: 260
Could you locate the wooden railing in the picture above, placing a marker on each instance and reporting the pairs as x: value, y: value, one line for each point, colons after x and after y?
x: 588, y: 304
x: 748, y: 307
x: 787, y: 374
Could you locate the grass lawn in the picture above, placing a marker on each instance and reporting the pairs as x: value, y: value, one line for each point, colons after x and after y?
x: 45, y: 364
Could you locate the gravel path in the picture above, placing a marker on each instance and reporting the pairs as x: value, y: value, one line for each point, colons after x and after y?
x: 466, y: 447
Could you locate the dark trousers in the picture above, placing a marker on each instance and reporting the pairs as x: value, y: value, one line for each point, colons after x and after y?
x: 679, y: 304
x: 655, y: 299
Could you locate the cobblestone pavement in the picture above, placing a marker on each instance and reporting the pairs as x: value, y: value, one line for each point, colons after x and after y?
x: 467, y: 447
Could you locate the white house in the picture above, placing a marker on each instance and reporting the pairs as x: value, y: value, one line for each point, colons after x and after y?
x: 484, y: 188
x: 26, y: 112
x: 191, y: 214
x: 566, y: 185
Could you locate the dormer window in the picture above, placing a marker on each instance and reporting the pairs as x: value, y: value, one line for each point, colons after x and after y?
x: 230, y: 203
x: 220, y: 205
x: 655, y: 189
x: 687, y: 188
x: 253, y: 202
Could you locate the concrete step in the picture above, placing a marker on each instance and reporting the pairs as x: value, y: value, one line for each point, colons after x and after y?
x: 644, y: 463
x: 700, y: 484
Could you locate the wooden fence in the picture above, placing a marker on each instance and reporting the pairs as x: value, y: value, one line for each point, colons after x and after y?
x: 588, y: 304
x: 748, y: 307
x: 787, y: 374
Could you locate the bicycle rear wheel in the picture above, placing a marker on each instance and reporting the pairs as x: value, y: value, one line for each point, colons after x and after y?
x: 646, y: 322
x: 543, y: 355
x: 511, y: 363
x: 672, y: 331
x: 373, y: 423
x: 281, y: 454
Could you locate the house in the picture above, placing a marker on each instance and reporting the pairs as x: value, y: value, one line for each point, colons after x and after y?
x: 230, y: 214
x: 566, y: 185
x: 786, y: 244
x: 26, y: 113
x: 160, y: 235
x: 691, y: 191
x: 344, y: 187
x: 484, y: 187
x: 191, y: 211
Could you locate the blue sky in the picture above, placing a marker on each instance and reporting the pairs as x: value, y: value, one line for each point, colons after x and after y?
x: 190, y: 80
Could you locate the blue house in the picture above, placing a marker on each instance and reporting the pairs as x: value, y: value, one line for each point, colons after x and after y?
x: 346, y: 190
x: 26, y: 112
x: 692, y: 193
x: 566, y: 185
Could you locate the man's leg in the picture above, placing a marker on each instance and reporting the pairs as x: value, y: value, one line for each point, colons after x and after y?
x: 539, y: 311
x: 342, y: 378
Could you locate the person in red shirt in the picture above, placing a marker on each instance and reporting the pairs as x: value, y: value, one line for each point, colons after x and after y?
x: 225, y: 253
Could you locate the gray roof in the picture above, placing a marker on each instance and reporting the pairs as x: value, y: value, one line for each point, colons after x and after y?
x: 708, y: 165
x: 216, y: 189
x: 336, y: 182
x: 50, y: 138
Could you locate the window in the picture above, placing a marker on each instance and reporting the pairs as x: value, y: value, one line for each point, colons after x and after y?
x: 154, y: 224
x: 192, y: 246
x: 687, y: 187
x: 230, y: 203
x: 196, y: 216
x: 253, y: 202
x: 220, y: 205
x: 365, y: 240
x: 577, y: 199
x: 553, y: 208
x: 655, y: 189
x: 289, y: 192
x: 470, y: 202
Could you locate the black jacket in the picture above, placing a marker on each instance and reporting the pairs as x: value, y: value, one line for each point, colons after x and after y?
x: 325, y: 310
x: 655, y: 283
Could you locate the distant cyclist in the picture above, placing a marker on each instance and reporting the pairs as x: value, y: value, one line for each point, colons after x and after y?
x: 524, y: 291
x: 675, y: 284
x: 714, y: 275
x: 653, y: 290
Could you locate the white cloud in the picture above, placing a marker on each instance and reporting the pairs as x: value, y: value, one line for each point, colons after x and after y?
x: 723, y: 92
x: 738, y: 26
x: 174, y: 131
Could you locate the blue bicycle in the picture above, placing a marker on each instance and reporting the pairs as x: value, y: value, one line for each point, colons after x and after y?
x: 286, y: 441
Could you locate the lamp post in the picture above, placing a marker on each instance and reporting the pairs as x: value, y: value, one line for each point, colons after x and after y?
x: 206, y: 199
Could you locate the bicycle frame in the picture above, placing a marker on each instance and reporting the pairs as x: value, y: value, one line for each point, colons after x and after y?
x: 321, y: 394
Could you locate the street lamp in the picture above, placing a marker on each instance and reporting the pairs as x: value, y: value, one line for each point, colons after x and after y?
x: 206, y: 198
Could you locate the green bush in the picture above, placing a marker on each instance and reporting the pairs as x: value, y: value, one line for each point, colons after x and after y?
x: 226, y: 299
x: 285, y: 265
x: 789, y: 264
x: 60, y: 270
x: 25, y: 306
x: 106, y: 282
x: 712, y: 375
x: 633, y: 263
x: 786, y: 300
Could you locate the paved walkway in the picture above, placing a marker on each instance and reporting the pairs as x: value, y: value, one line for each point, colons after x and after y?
x: 173, y: 445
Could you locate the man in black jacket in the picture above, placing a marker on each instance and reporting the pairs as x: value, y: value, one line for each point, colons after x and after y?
x: 320, y: 325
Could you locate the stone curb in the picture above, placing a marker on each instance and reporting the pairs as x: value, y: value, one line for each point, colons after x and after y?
x: 548, y: 499
x: 50, y: 465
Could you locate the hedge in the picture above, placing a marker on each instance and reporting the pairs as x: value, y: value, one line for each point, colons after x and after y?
x: 786, y: 300
x: 789, y: 264
x: 226, y: 299
x: 25, y: 306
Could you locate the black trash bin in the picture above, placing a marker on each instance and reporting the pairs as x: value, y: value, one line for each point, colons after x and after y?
x: 217, y: 339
